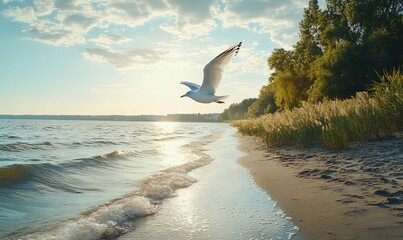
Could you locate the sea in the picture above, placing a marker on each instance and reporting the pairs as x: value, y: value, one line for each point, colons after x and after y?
x: 63, y: 179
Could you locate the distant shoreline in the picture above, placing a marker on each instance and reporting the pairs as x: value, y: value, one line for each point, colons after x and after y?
x: 210, y: 117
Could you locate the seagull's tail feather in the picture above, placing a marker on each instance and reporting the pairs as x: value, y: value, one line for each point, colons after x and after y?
x: 220, y: 98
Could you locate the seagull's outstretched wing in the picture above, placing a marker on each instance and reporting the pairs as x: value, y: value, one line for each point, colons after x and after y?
x: 192, y: 86
x: 214, y: 70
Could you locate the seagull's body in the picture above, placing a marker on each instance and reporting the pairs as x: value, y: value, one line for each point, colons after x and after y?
x: 213, y: 73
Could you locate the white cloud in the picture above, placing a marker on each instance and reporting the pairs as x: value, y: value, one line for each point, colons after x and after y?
x: 133, y: 13
x: 25, y: 15
x: 71, y: 22
x: 250, y: 60
x: 52, y: 33
x: 192, y: 18
x: 44, y: 7
x: 183, y: 19
x: 123, y: 59
x: 107, y: 39
x: 79, y: 22
x: 279, y: 18
x: 285, y: 37
x: 55, y: 38
x: 71, y: 4
x: 186, y: 30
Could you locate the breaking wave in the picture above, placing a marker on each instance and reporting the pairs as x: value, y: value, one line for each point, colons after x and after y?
x: 115, y: 218
x: 49, y: 173
x: 116, y: 154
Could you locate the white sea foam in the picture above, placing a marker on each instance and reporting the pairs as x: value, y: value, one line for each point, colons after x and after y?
x: 115, y: 154
x: 164, y: 184
x: 116, y: 218
x: 105, y: 222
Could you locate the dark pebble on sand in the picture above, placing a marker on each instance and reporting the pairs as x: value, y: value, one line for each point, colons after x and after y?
x: 383, y: 193
x: 349, y: 183
x: 324, y: 176
x: 393, y: 200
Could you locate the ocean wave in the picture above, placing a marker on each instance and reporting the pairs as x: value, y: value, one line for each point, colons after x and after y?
x: 50, y: 174
x: 98, y: 142
x: 46, y: 145
x: 116, y: 217
x: 12, y: 174
x: 47, y: 174
x: 116, y: 154
x: 13, y: 137
x: 19, y: 172
x: 98, y: 161
x: 163, y: 139
x: 22, y: 146
x: 92, y: 143
x: 9, y: 136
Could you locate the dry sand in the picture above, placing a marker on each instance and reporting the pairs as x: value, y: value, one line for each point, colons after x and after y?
x: 355, y: 193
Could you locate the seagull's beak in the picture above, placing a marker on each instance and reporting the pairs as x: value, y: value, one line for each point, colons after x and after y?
x: 183, y: 96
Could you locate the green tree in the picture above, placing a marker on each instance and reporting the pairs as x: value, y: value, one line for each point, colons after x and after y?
x: 291, y: 78
x: 340, y: 51
x: 264, y: 104
x: 360, y: 39
x: 237, y: 111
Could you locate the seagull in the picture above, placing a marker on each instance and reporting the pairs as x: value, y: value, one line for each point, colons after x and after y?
x: 213, y: 73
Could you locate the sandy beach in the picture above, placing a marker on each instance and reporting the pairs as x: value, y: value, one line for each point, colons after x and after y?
x: 355, y: 193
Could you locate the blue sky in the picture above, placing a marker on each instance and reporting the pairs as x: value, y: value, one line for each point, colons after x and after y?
x: 128, y: 56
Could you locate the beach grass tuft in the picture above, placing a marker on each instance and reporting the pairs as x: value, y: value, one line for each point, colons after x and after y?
x: 333, y: 124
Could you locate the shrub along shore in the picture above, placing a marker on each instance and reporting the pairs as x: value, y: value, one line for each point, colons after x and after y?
x: 333, y: 124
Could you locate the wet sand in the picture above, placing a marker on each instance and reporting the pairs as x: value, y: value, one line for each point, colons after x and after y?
x: 355, y: 193
x: 224, y: 203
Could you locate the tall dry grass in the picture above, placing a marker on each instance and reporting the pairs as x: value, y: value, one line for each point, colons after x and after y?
x: 333, y: 124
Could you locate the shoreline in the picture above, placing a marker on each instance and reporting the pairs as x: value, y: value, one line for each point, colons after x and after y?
x: 224, y: 203
x: 329, y: 198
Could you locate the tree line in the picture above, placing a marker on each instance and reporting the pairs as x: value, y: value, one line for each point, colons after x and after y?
x: 341, y: 50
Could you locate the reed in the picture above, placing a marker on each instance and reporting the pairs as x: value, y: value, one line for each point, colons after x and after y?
x: 334, y: 124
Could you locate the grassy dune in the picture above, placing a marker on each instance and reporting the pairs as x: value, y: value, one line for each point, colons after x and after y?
x: 333, y: 124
